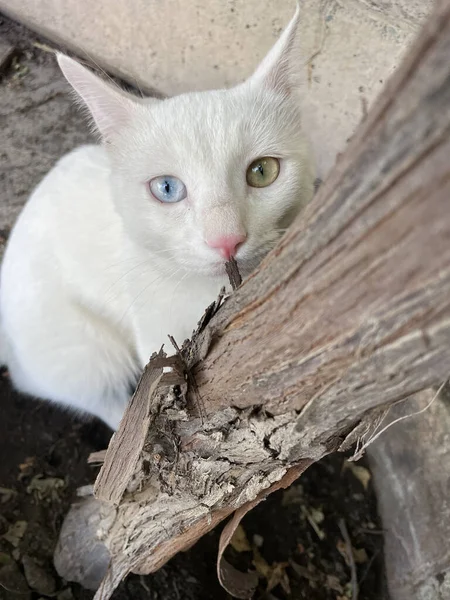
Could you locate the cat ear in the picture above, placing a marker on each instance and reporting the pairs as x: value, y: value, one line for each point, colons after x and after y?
x: 110, y: 107
x: 281, y: 69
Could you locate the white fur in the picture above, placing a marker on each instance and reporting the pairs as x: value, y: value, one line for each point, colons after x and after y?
x: 97, y: 272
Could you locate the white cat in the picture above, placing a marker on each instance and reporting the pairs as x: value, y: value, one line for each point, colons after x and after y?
x: 124, y: 243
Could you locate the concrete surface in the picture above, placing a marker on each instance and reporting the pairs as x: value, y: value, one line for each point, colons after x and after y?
x: 176, y: 45
x: 38, y: 122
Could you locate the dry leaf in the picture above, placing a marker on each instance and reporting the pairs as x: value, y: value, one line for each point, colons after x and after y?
x: 343, y: 551
x: 239, y: 540
x: 46, y: 488
x: 6, y: 494
x: 348, y: 591
x: 315, y: 516
x: 275, y: 574
x: 309, y: 573
x: 260, y: 564
x: 29, y: 462
x: 242, y: 585
x: 26, y: 468
x: 360, y: 556
x: 361, y: 473
x: 333, y: 583
x: 15, y: 533
x: 12, y: 580
x: 279, y: 576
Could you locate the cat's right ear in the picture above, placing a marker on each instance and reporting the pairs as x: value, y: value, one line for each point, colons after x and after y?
x: 281, y: 70
x: 110, y: 107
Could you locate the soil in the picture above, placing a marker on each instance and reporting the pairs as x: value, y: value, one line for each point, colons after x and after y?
x: 295, y: 540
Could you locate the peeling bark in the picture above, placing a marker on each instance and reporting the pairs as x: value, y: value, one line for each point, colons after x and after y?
x: 350, y: 313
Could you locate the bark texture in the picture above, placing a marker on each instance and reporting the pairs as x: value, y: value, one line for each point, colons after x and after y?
x: 411, y: 466
x: 350, y: 313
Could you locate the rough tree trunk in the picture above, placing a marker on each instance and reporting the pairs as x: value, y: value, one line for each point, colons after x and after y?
x: 350, y: 313
x: 411, y: 466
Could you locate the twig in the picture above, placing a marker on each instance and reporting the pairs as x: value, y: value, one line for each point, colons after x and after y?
x: 143, y: 584
x: 360, y: 450
x: 190, y: 378
x: 319, y: 532
x: 175, y: 345
x: 370, y: 563
x: 96, y: 458
x: 351, y: 558
x: 234, y: 276
x: 372, y: 531
x: 44, y: 47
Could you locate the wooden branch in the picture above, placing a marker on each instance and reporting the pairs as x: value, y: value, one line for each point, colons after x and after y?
x: 349, y: 313
x: 357, y: 270
x: 126, y: 447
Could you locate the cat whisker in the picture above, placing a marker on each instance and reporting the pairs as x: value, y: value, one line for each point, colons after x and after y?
x: 147, y: 263
x: 174, y: 292
x: 146, y: 287
x: 122, y: 277
x: 119, y: 263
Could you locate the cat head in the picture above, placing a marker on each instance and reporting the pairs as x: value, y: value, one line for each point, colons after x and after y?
x: 203, y: 176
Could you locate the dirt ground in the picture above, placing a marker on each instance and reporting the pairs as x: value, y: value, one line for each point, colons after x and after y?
x: 294, y: 540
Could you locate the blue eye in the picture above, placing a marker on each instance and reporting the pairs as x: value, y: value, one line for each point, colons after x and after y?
x: 167, y: 188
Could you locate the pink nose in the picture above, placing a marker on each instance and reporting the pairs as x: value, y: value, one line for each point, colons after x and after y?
x: 227, y: 244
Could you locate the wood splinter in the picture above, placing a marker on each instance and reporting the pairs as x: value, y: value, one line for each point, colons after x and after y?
x: 233, y: 273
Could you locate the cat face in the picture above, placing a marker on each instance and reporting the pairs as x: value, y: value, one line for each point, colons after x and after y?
x: 207, y: 175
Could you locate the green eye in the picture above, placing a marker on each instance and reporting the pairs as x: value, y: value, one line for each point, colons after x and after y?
x: 263, y: 171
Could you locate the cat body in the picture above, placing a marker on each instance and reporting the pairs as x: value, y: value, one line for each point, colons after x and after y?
x: 124, y: 243
x: 84, y: 306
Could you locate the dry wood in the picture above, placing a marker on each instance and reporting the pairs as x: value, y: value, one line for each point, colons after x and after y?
x: 349, y: 313
x: 411, y: 466
x: 127, y: 444
x: 233, y: 273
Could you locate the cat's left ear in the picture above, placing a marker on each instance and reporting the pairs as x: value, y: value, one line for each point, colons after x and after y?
x: 110, y: 107
x: 281, y: 69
